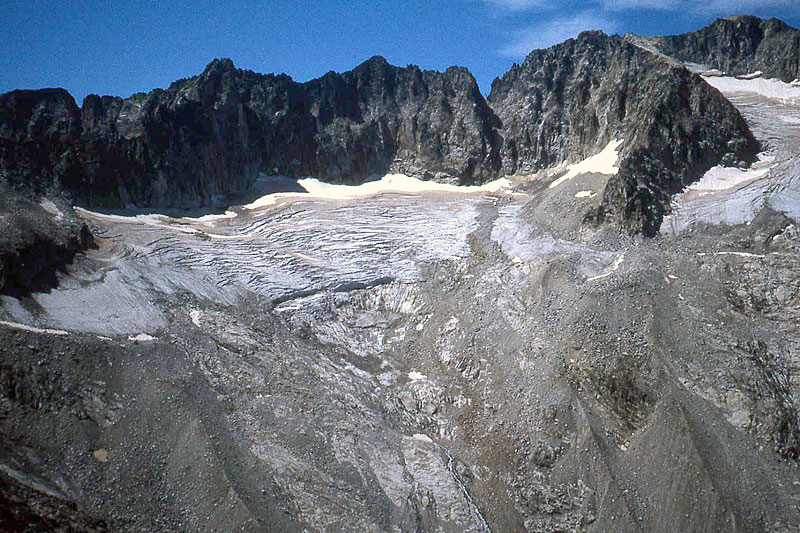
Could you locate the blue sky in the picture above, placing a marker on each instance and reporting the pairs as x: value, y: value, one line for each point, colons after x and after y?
x: 122, y: 47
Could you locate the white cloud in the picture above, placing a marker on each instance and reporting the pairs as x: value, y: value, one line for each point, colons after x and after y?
x: 730, y: 7
x: 707, y: 7
x: 625, y: 5
x: 517, y: 5
x: 557, y: 30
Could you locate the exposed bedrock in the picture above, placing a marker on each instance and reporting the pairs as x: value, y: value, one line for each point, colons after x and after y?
x: 39, y: 236
x: 735, y: 45
x: 211, y: 135
x: 571, y: 100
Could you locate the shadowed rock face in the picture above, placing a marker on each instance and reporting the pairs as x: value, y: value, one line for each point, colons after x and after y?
x: 39, y: 236
x: 569, y: 101
x: 39, y: 133
x: 736, y: 45
x: 212, y: 134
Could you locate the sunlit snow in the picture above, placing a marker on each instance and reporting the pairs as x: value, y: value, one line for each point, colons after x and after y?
x: 391, y: 183
x: 603, y: 163
x: 32, y: 329
x: 787, y: 93
x: 720, y: 178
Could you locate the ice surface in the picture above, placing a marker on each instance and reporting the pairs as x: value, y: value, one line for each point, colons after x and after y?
x: 733, y: 196
x: 788, y: 93
x: 720, y: 178
x: 298, y: 247
x: 521, y: 241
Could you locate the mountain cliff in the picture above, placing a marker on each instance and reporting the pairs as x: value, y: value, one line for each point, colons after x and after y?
x: 569, y: 101
x: 212, y: 134
x: 736, y: 45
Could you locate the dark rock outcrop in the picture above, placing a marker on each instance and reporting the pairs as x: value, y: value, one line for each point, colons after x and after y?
x: 23, y: 508
x: 39, y: 137
x: 736, y: 45
x: 571, y: 100
x: 212, y: 134
x: 429, y: 124
x: 39, y: 236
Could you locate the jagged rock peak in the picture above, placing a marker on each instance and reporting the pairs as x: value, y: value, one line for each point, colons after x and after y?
x: 212, y: 134
x: 736, y: 45
x: 222, y: 64
x: 376, y: 60
x: 569, y: 101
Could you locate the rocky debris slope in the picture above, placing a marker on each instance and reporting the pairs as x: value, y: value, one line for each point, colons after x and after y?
x: 23, y: 508
x: 571, y: 100
x: 503, y: 380
x: 738, y: 45
x: 214, y: 133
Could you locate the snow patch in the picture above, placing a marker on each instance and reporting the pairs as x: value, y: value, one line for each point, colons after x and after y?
x: 158, y: 221
x: 721, y: 178
x: 751, y: 76
x: 416, y: 376
x: 603, y: 163
x: 209, y: 220
x: 195, y: 315
x: 612, y: 268
x: 391, y: 183
x: 584, y: 194
x: 422, y: 438
x: 141, y: 337
x: 49, y: 206
x: 787, y: 93
x: 740, y: 254
x: 17, y: 325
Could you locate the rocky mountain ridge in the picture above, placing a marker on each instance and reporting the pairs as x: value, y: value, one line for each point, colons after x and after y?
x: 737, y: 45
x: 211, y: 135
x: 576, y: 97
x: 214, y: 133
x: 458, y: 359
